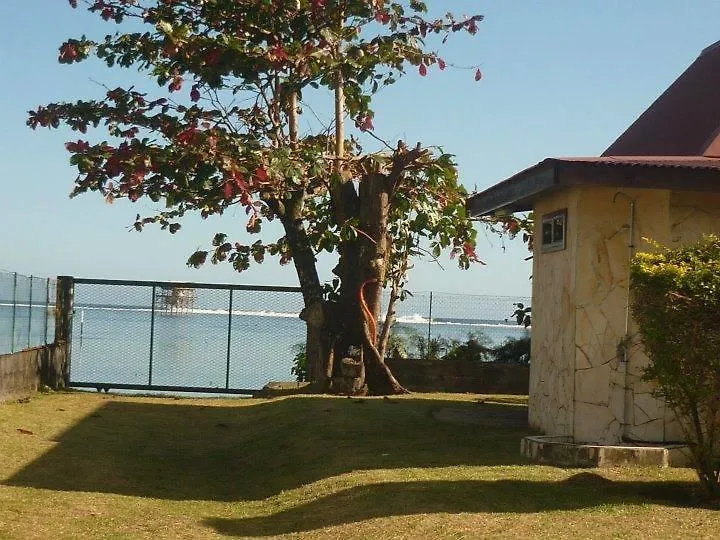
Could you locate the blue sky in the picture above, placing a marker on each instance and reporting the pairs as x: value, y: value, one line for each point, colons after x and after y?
x: 560, y: 78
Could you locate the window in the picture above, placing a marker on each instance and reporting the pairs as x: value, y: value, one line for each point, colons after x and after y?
x: 553, y: 231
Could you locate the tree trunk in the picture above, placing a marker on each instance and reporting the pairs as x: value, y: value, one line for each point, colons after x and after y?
x: 374, y: 211
x: 318, y: 342
x: 362, y: 269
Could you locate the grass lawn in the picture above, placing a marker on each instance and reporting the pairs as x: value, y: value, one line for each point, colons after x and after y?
x: 78, y: 465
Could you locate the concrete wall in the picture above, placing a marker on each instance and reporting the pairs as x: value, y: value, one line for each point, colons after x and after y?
x: 23, y: 372
x: 461, y: 376
x: 582, y: 382
x: 20, y: 373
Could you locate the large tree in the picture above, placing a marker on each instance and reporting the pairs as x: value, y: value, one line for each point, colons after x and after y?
x: 223, y: 130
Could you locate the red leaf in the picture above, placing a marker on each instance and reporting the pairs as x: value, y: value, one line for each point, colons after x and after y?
x: 441, y: 64
x: 318, y: 4
x: 68, y: 53
x: 73, y: 3
x: 176, y: 83
x: 195, y: 94
x: 478, y: 75
x: 366, y: 124
x: 278, y: 54
x: 228, y: 190
x: 239, y: 181
x: 382, y: 16
x: 212, y: 58
x: 261, y: 175
x: 187, y: 135
x: 423, y: 70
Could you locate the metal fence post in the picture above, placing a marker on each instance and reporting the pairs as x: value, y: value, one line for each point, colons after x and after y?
x: 14, y: 310
x: 229, y: 336
x: 430, y: 322
x: 30, y: 312
x: 47, y: 307
x: 152, y: 334
x: 56, y: 373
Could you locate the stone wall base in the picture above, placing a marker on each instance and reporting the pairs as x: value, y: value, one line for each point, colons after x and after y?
x: 563, y: 452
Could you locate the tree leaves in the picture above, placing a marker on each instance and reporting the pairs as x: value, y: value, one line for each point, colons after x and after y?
x: 232, y: 147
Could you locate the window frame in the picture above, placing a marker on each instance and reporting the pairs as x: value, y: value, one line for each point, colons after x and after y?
x: 551, y: 220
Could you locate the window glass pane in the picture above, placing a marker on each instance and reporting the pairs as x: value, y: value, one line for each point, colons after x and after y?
x: 558, y: 229
x: 547, y: 236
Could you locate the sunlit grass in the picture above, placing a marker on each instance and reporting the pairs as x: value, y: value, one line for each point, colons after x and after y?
x: 80, y: 465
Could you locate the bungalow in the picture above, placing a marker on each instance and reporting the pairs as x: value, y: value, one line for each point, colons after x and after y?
x: 659, y: 180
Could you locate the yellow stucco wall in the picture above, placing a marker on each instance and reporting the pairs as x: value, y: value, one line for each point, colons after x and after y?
x: 610, y: 399
x: 553, y: 332
x: 693, y: 214
x: 582, y: 383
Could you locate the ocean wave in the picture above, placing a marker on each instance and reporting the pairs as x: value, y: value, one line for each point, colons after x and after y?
x: 414, y: 319
x: 183, y: 311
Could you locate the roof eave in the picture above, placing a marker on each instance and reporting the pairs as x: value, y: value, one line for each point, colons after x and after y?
x: 517, y: 193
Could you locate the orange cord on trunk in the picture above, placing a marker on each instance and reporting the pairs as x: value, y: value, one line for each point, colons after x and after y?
x: 366, y: 310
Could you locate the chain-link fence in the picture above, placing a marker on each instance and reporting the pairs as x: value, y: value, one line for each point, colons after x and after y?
x: 183, y: 336
x: 27, y: 312
x: 235, y: 339
x: 429, y: 325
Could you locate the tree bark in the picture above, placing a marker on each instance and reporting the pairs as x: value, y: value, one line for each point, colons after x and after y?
x: 318, y: 342
x: 362, y: 268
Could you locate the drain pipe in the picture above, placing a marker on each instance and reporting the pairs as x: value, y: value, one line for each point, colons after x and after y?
x: 626, y: 337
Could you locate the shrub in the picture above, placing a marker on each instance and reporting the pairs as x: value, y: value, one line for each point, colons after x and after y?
x: 676, y: 302
x: 300, y: 363
x: 431, y: 349
x: 513, y: 351
x: 476, y: 348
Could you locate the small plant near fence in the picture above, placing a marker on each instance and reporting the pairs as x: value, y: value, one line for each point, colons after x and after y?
x: 676, y: 301
x: 299, y: 367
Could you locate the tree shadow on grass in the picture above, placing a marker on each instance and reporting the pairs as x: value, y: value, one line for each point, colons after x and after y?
x: 585, y: 490
x: 191, y: 452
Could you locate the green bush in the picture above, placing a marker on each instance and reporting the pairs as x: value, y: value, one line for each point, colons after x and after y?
x: 434, y: 348
x: 676, y: 303
x: 476, y: 348
x: 513, y: 351
x: 300, y: 363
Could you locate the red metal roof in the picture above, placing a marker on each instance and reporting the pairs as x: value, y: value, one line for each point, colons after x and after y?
x: 684, y: 120
x: 680, y: 131
x: 691, y: 162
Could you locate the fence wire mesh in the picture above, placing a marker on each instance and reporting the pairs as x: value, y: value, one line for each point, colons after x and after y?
x: 183, y: 336
x: 225, y: 338
x: 429, y: 325
x: 27, y: 312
